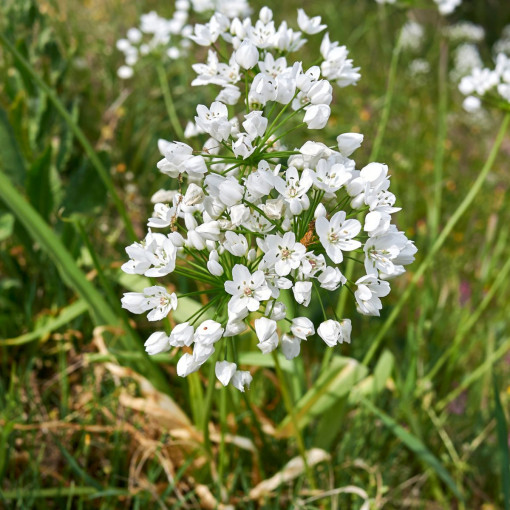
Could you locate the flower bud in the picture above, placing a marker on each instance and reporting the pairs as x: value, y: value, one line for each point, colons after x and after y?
x: 247, y: 55
x: 214, y: 268
x: 319, y: 211
x: 348, y: 143
x: 224, y: 371
x: 317, y: 116
x: 158, y: 342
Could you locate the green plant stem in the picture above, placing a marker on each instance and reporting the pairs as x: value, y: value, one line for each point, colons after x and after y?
x: 208, y: 405
x: 80, y: 135
x: 289, y: 405
x: 381, y: 129
x: 464, y: 327
x: 461, y: 209
x: 169, y: 102
x: 435, y: 213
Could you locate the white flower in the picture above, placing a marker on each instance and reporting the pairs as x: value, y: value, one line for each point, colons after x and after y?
x: 302, y: 292
x: 155, y: 298
x: 367, y: 295
x: 125, y: 72
x: 154, y: 257
x: 382, y: 253
x: 336, y: 235
x: 294, y: 189
x: 446, y: 7
x: 262, y: 90
x: 214, y: 121
x: 317, y: 116
x: 235, y: 244
x: 334, y: 332
x: 241, y: 379
x: 158, y: 342
x: 309, y: 25
x: 330, y: 177
x: 224, y: 371
x: 182, y: 335
x: 291, y: 346
x: 267, y: 335
x: 255, y: 124
x: 247, y: 290
x: 208, y: 333
x: 331, y: 278
x: 302, y: 327
x: 247, y: 55
x: 187, y: 365
x: 284, y: 253
x: 243, y: 146
x: 176, y: 154
x: 349, y: 142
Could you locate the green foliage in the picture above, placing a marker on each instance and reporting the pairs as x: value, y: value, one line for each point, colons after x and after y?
x: 409, y: 412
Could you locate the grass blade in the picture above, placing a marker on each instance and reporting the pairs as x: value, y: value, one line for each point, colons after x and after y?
x: 65, y: 316
x: 333, y: 384
x: 80, y: 135
x: 74, y: 277
x: 415, y: 445
x: 502, y: 430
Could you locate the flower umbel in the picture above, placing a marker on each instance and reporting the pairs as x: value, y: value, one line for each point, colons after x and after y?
x: 252, y: 223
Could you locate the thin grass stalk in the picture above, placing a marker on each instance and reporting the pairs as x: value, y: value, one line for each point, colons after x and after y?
x: 435, y: 214
x: 388, y: 99
x: 461, y: 209
x: 169, y: 102
x: 475, y: 374
x: 80, y: 135
x: 289, y: 406
x: 464, y: 327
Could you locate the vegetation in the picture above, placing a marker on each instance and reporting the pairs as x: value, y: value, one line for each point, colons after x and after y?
x: 412, y: 414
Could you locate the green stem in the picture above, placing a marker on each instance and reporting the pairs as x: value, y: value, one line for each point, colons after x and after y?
x: 289, y: 406
x: 80, y: 135
x: 387, y: 101
x: 208, y: 405
x: 435, y: 214
x: 464, y: 327
x: 169, y: 102
x: 461, y: 209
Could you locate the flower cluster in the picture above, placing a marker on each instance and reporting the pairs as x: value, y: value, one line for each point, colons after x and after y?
x: 412, y: 36
x: 465, y: 31
x: 155, y: 35
x: 491, y: 84
x: 160, y: 37
x: 263, y: 229
x: 502, y: 45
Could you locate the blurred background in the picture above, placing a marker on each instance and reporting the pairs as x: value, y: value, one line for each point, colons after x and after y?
x: 412, y: 414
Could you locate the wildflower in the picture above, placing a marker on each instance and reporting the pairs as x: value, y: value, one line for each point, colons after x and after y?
x: 336, y: 235
x: 254, y: 221
x: 155, y: 298
x: 157, y: 343
x: 334, y: 332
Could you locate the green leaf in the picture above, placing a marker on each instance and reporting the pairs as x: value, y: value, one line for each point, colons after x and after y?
x: 75, y: 278
x: 11, y: 160
x: 38, y: 186
x: 376, y: 382
x: 85, y: 193
x: 65, y: 316
x: 6, y: 225
x: 416, y: 446
x: 502, y: 430
x: 332, y: 385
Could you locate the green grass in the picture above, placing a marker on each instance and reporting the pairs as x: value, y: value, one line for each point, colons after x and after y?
x: 414, y: 413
